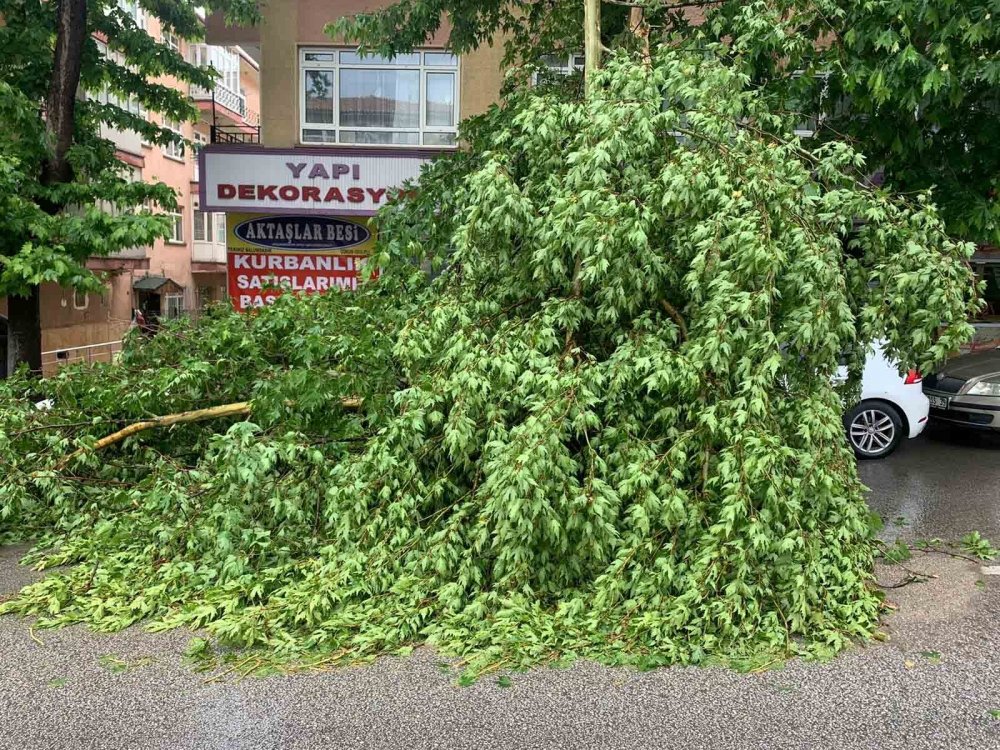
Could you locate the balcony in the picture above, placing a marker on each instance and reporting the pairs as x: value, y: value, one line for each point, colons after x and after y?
x: 226, y: 100
x: 208, y: 252
x: 233, y: 134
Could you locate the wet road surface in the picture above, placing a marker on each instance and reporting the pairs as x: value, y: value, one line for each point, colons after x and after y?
x: 944, y: 484
x: 933, y: 685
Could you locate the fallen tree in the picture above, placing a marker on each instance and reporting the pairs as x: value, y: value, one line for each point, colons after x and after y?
x: 607, y: 429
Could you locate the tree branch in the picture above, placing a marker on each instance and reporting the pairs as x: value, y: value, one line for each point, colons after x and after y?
x: 240, y: 409
x: 672, y: 311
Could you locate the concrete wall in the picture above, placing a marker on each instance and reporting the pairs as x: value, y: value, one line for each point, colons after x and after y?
x: 279, y: 32
x: 314, y: 15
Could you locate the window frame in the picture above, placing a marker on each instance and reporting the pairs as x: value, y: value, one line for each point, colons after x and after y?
x: 335, y: 67
x: 135, y: 11
x: 171, y: 40
x: 198, y: 218
x: 816, y: 121
x: 86, y: 300
x: 180, y: 306
x: 200, y: 140
x: 204, y: 301
x: 172, y: 149
x: 219, y: 225
x: 173, y: 239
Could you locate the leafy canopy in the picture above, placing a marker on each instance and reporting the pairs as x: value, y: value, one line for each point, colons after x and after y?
x: 50, y: 230
x: 913, y: 83
x: 607, y: 428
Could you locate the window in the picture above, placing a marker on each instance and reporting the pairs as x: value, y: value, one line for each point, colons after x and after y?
x: 553, y: 67
x: 200, y: 140
x: 409, y: 100
x: 220, y: 229
x: 990, y: 273
x: 81, y: 300
x: 176, y: 230
x: 200, y: 228
x: 173, y: 149
x: 563, y: 64
x: 105, y: 95
x: 132, y: 9
x: 172, y: 40
x: 809, y: 123
x: 175, y: 306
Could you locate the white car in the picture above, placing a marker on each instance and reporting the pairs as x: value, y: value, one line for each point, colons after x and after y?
x: 891, y: 407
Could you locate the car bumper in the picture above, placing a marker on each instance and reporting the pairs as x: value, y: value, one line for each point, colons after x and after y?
x: 962, y: 411
x: 918, y: 418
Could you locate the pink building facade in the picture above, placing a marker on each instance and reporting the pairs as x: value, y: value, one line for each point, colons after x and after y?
x: 185, y: 272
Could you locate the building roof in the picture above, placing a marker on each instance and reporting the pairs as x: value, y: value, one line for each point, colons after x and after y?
x: 152, y: 283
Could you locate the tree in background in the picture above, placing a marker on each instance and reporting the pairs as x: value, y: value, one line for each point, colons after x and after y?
x: 915, y: 84
x: 607, y: 429
x: 64, y: 195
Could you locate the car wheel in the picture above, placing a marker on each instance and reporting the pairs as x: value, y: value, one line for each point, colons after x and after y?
x: 874, y: 429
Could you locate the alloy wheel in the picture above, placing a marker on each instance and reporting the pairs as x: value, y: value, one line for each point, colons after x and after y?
x: 872, y: 432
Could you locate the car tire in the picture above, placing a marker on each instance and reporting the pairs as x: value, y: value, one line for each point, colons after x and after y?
x: 874, y: 429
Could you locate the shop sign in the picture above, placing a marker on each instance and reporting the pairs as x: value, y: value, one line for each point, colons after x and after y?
x: 268, y: 255
x: 304, y: 181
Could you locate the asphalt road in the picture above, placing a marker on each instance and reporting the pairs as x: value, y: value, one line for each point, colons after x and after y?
x: 56, y: 694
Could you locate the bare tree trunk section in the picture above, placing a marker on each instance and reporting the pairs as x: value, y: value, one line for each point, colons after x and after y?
x: 637, y: 23
x: 60, y: 107
x: 24, y: 317
x: 591, y: 39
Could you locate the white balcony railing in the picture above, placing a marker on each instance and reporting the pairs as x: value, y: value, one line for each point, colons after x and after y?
x: 208, y: 252
x: 105, y: 352
x: 227, y: 88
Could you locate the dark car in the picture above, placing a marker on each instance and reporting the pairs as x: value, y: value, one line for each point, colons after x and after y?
x: 967, y: 391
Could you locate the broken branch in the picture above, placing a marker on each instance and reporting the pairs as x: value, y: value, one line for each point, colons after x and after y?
x: 239, y: 409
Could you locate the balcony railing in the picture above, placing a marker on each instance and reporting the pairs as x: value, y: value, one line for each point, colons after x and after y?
x: 208, y: 252
x: 233, y: 134
x: 222, y: 96
x: 91, y: 353
x: 226, y: 63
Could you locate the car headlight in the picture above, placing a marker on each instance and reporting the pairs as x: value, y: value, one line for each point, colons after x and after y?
x: 985, y: 388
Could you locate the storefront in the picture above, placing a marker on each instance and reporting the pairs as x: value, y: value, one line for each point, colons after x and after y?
x: 339, y: 135
x: 299, y: 219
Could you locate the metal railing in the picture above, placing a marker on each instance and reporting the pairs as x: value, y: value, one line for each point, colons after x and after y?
x: 90, y: 353
x: 229, y: 99
x: 233, y: 134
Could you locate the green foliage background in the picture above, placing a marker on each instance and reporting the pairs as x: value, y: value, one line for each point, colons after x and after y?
x: 606, y: 427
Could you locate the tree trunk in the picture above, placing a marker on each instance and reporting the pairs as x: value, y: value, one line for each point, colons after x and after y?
x: 591, y: 39
x: 25, y: 331
x: 60, y: 124
x: 60, y: 108
x: 637, y: 23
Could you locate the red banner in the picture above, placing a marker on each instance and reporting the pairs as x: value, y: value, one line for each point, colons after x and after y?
x: 257, y: 279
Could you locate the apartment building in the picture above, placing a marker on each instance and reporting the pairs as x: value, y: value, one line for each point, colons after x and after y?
x: 339, y: 135
x: 186, y: 271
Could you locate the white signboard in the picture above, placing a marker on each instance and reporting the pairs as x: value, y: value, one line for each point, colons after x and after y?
x: 333, y: 181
